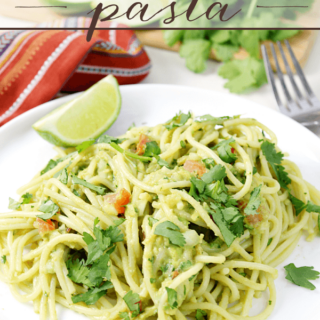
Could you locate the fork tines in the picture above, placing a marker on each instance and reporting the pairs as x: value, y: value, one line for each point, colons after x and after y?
x: 300, y: 105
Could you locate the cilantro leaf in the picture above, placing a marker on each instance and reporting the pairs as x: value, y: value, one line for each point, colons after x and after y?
x: 93, y: 295
x: 108, y: 139
x: 152, y: 149
x: 200, y: 314
x: 208, y: 162
x: 178, y: 120
x: 300, y: 276
x: 63, y: 176
x: 3, y: 259
x: 162, y: 162
x: 254, y: 202
x: 254, y: 171
x: 133, y: 301
x: 185, y: 265
x: 196, y: 52
x: 152, y: 221
x: 298, y: 204
x: 49, y: 208
x: 13, y: 205
x: 85, y: 144
x: 225, y: 151
x: 172, y: 232
x: 243, y: 75
x: 216, y: 121
x: 183, y: 144
x: 172, y: 298
x: 218, y: 191
x: 311, y: 207
x: 119, y: 221
x: 26, y: 198
x: 124, y: 315
x: 218, y: 172
x: 99, y: 190
x: 51, y: 164
x: 275, y: 158
x: 219, y: 220
x: 100, y: 270
x: 78, y: 272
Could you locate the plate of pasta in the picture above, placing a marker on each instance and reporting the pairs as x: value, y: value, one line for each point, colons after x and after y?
x: 194, y: 205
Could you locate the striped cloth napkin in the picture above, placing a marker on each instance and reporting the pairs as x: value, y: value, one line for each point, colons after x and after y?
x: 35, y: 66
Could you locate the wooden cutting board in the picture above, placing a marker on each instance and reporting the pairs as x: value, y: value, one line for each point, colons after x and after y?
x: 301, y: 44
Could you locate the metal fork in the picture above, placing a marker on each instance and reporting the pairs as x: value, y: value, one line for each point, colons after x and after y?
x: 303, y: 109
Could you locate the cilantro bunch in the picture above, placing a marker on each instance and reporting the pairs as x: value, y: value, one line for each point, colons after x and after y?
x: 95, y: 271
x: 196, y: 45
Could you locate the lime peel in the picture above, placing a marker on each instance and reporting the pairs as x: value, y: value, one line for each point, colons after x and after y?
x: 87, y: 116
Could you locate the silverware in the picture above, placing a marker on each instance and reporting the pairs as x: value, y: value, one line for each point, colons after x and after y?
x: 304, y: 108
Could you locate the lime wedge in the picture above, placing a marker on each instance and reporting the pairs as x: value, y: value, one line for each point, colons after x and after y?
x: 87, y: 116
x: 153, y: 7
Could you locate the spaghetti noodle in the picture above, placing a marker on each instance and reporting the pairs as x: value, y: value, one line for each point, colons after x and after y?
x: 190, y: 217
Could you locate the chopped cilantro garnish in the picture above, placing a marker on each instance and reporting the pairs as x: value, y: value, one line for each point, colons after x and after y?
x: 225, y: 151
x: 132, y: 126
x: 269, y: 242
x: 152, y: 221
x: 133, y: 302
x: 109, y: 139
x: 93, y: 295
x: 300, y: 205
x: 124, y: 315
x: 275, y: 158
x: 26, y: 198
x: 216, y: 121
x: 95, y: 272
x: 172, y: 298
x: 99, y: 190
x: 51, y: 164
x: 184, y: 266
x: 85, y: 144
x: 119, y: 221
x: 254, y: 171
x: 179, y: 120
x: 218, y: 172
x: 222, y: 224
x: 208, y: 162
x: 13, y: 205
x: 152, y: 149
x: 49, y: 208
x: 200, y: 314
x: 254, y: 202
x: 172, y: 232
x: 3, y: 259
x: 183, y: 144
x: 153, y: 280
x: 300, y: 276
x: 63, y: 176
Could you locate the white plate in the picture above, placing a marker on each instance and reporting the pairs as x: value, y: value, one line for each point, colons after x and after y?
x: 23, y: 153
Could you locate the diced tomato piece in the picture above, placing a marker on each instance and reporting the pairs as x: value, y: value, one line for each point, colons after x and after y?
x: 254, y: 218
x: 119, y: 200
x: 175, y: 274
x: 233, y: 150
x: 141, y: 146
x: 140, y: 305
x: 242, y: 205
x: 44, y: 226
x: 194, y: 166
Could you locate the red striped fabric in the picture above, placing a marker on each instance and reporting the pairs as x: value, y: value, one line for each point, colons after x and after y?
x: 36, y: 65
